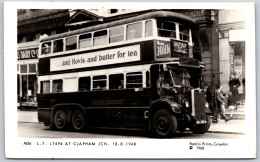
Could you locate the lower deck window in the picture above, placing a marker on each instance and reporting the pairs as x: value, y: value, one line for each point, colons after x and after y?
x: 57, y: 86
x: 100, y: 82
x: 45, y: 86
x: 116, y: 81
x: 134, y: 80
x: 84, y: 83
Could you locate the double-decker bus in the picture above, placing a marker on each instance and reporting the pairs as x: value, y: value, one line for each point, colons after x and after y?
x: 133, y: 73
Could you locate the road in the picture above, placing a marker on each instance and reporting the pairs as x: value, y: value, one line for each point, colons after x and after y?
x: 38, y: 130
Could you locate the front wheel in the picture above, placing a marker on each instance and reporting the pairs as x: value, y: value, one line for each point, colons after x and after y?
x: 164, y: 124
x: 78, y: 120
x: 201, y: 128
x: 60, y: 119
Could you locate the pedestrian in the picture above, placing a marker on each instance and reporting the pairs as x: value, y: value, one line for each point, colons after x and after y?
x: 208, y: 96
x: 220, y: 104
x: 232, y: 103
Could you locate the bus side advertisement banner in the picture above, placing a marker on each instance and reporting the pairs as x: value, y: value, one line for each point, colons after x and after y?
x: 100, y: 58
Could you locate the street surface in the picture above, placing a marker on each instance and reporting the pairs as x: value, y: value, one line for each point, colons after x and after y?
x: 38, y: 130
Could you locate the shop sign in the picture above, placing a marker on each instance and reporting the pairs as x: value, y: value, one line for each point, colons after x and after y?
x: 238, y: 71
x: 105, y: 57
x: 27, y: 54
x: 163, y: 49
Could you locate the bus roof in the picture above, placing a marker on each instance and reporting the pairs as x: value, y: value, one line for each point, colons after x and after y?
x: 157, y: 14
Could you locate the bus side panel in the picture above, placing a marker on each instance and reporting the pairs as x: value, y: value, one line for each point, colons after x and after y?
x: 44, y: 110
x: 107, y: 108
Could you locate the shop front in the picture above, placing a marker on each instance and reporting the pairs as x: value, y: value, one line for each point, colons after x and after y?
x: 27, y: 74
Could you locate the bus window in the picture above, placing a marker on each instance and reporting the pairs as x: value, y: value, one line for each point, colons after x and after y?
x: 46, y: 48
x: 100, y: 38
x: 116, y: 34
x: 85, y: 40
x: 148, y: 28
x: 84, y: 83
x: 134, y: 31
x: 184, y: 33
x: 134, y: 80
x: 116, y: 81
x: 100, y: 82
x: 166, y: 29
x: 56, y: 86
x: 45, y: 86
x: 58, y: 45
x: 71, y: 43
x: 147, y: 79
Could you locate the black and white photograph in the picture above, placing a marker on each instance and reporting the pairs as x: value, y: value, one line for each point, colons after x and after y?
x: 130, y: 80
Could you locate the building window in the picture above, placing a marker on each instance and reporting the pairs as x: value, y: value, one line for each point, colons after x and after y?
x: 134, y: 31
x: 100, y: 38
x: 56, y: 86
x: 184, y: 33
x: 58, y: 45
x: 100, y: 82
x: 32, y: 68
x: 85, y: 40
x: 116, y: 34
x: 23, y: 68
x: 71, y: 43
x: 84, y: 83
x: 116, y: 81
x: 134, y: 80
x: 46, y: 48
x: 45, y: 86
x: 149, y: 28
x: 166, y: 29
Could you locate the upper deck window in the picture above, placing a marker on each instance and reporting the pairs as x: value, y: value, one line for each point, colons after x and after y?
x: 184, y: 33
x: 116, y: 34
x: 85, y: 40
x: 166, y: 29
x: 58, y: 45
x: 46, y: 48
x: 71, y: 43
x: 148, y: 28
x: 100, y: 38
x: 134, y: 31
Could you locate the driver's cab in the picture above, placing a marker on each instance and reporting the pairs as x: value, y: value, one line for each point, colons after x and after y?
x: 174, y: 77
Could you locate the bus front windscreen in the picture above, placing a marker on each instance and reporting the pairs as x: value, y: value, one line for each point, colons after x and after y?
x: 175, y: 77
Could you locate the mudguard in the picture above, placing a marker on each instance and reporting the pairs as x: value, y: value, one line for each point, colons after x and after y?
x: 165, y: 103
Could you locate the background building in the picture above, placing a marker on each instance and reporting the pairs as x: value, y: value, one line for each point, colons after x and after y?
x: 31, y: 25
x: 232, y: 51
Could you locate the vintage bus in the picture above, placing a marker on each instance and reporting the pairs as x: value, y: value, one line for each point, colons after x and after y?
x: 133, y: 73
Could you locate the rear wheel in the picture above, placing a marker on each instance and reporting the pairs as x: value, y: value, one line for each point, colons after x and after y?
x: 164, y: 124
x: 78, y: 120
x: 201, y: 128
x: 60, y: 119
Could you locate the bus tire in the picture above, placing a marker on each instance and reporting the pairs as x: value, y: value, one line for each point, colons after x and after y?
x: 60, y: 119
x: 164, y: 124
x: 201, y: 128
x: 78, y: 120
